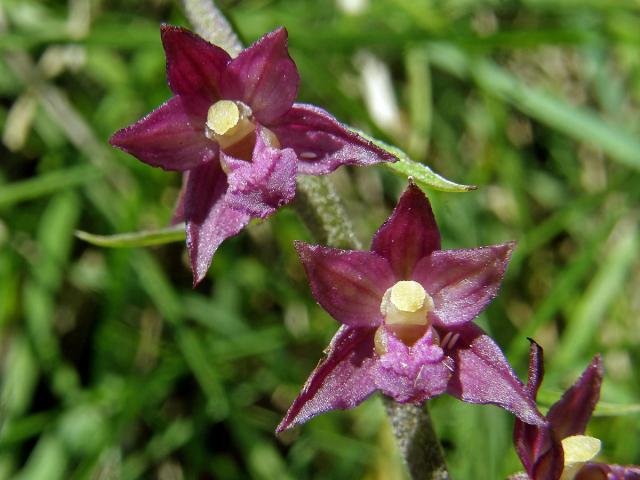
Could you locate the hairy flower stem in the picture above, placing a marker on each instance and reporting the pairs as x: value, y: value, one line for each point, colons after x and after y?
x: 417, y: 440
x: 209, y: 22
x: 320, y: 209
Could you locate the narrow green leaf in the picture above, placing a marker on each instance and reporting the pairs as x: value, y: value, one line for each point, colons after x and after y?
x: 425, y: 177
x: 580, y: 123
x: 422, y: 174
x: 592, y: 308
x: 144, y: 238
x: 47, y: 183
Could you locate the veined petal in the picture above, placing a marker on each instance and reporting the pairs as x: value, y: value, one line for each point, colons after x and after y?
x: 209, y: 219
x: 409, y: 234
x: 264, y: 77
x: 341, y: 380
x: 322, y: 143
x: 171, y: 137
x: 261, y: 186
x: 570, y: 415
x: 482, y: 374
x: 462, y: 282
x: 194, y: 65
x: 348, y: 284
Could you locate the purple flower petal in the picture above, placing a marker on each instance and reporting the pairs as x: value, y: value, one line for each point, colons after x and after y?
x: 538, y: 448
x: 601, y: 471
x: 536, y: 368
x: 322, y: 143
x: 570, y: 415
x: 409, y: 234
x: 209, y: 219
x: 411, y: 374
x: 483, y: 375
x: 261, y: 186
x: 264, y: 77
x: 341, y: 380
x: 348, y: 284
x: 170, y: 137
x: 462, y: 282
x: 550, y: 464
x: 194, y: 65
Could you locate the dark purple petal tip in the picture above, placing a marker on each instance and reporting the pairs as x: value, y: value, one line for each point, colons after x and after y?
x: 342, y: 380
x: 322, y: 143
x: 264, y: 77
x: 194, y: 65
x: 170, y: 137
x: 349, y: 284
x: 409, y: 234
x: 483, y: 375
x: 570, y: 415
x: 462, y: 282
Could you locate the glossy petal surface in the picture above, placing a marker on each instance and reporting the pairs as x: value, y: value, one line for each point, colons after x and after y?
x: 194, y: 65
x: 341, y: 380
x: 409, y: 234
x: 462, y: 282
x: 170, y: 137
x: 483, y: 375
x: 347, y: 284
x: 209, y: 219
x: 264, y: 77
x: 261, y: 186
x: 322, y: 143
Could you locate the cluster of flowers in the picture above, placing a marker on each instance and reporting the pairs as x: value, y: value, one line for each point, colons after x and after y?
x: 406, y: 306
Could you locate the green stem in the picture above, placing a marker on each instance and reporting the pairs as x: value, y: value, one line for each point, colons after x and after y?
x: 211, y: 24
x: 320, y: 209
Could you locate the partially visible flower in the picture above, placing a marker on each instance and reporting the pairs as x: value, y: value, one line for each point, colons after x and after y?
x: 233, y: 129
x: 406, y: 307
x: 559, y: 449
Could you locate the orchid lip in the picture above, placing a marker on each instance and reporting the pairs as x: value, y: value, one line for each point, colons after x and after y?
x: 229, y: 122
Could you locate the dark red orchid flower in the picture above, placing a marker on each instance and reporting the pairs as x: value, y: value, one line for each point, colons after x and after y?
x: 559, y: 449
x: 233, y: 128
x: 406, y: 307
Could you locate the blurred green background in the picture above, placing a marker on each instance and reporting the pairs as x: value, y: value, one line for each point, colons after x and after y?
x: 113, y: 367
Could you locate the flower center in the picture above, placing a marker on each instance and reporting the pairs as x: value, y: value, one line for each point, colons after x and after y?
x: 406, y: 303
x: 578, y: 449
x: 229, y: 122
x: 405, y: 307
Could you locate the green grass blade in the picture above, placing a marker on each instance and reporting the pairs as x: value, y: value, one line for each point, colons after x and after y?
x: 47, y: 183
x: 144, y: 238
x: 579, y: 123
